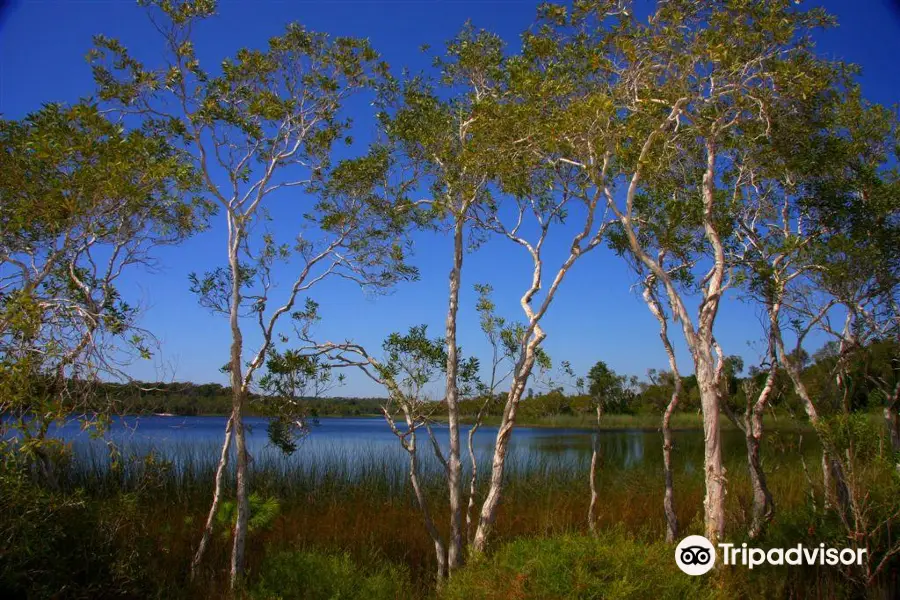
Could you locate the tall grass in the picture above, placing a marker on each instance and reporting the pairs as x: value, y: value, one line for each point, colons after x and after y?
x: 355, y: 502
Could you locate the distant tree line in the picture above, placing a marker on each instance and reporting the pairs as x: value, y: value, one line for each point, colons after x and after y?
x: 629, y: 396
x: 196, y: 399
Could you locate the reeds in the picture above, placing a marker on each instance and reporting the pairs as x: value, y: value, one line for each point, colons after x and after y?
x: 355, y: 499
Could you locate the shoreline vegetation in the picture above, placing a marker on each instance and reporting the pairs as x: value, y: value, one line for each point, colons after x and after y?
x: 551, y: 410
x: 639, y: 422
x: 340, y: 527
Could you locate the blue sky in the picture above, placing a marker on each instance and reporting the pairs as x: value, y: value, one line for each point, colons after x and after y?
x: 596, y: 316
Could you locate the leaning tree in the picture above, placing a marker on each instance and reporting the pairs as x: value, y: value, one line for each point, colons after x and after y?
x: 261, y: 129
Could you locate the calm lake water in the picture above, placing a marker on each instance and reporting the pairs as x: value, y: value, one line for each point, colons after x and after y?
x: 349, y: 445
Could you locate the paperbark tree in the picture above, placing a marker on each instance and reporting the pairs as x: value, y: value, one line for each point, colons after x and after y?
x: 265, y: 124
x: 83, y: 201
x: 651, y: 297
x: 543, y: 212
x: 503, y: 338
x: 440, y: 128
x: 685, y: 92
x: 824, y: 249
x: 411, y: 362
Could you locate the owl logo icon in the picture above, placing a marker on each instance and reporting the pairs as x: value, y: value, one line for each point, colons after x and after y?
x: 695, y: 555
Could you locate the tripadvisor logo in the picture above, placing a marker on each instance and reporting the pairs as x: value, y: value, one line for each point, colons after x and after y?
x: 695, y: 555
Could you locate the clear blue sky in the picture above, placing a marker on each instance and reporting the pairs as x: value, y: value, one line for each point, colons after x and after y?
x: 596, y: 315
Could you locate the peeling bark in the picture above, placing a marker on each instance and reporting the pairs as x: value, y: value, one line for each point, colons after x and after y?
x: 668, y: 473
x: 763, y: 505
x: 243, y: 496
x: 700, y: 341
x: 714, y: 470
x: 238, y: 398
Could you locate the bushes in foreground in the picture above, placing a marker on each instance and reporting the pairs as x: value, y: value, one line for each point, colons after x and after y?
x: 315, y: 576
x: 611, y: 566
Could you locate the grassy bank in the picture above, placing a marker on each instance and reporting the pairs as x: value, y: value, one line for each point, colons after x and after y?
x: 350, y: 528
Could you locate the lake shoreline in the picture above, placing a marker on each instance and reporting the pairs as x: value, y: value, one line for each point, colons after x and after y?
x: 681, y: 422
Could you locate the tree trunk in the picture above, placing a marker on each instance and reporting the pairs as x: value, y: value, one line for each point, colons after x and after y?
x: 763, y: 506
x: 669, y: 495
x: 243, y: 496
x: 892, y: 420
x: 439, y: 550
x: 592, y: 508
x: 707, y: 376
x: 833, y: 479
x: 454, y: 466
x: 653, y: 303
x: 492, y: 501
x: 473, y: 480
x: 217, y: 497
x: 714, y: 470
x: 238, y: 399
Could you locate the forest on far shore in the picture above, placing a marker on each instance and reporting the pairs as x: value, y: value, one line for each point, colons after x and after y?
x: 566, y: 395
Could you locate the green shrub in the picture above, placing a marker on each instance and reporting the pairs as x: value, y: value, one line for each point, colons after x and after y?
x: 58, y: 544
x: 610, y: 566
x: 263, y: 512
x: 315, y: 576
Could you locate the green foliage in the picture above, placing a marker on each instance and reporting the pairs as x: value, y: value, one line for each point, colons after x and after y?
x: 854, y: 432
x: 413, y: 360
x: 612, y: 392
x: 76, y: 186
x: 611, y: 565
x: 317, y: 576
x: 263, y: 512
x: 290, y: 377
x: 68, y: 544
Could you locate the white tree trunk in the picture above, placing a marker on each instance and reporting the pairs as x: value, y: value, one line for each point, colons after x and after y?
x: 440, y: 551
x: 243, y: 494
x: 454, y: 466
x: 473, y: 480
x: 492, y: 500
x: 653, y: 303
x: 592, y: 508
x: 714, y: 470
x: 217, y: 497
x: 238, y: 398
x: 668, y: 472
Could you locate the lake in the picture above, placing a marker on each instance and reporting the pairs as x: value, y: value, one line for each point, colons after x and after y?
x: 351, y: 446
